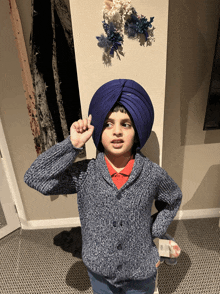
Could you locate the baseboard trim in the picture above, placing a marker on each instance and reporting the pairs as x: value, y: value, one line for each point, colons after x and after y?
x: 75, y: 221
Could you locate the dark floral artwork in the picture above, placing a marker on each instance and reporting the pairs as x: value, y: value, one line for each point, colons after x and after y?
x: 120, y: 19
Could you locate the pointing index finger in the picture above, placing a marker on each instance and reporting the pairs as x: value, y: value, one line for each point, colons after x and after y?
x: 89, y: 119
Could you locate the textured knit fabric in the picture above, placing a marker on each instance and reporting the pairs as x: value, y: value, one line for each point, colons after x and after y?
x: 133, y: 97
x: 116, y: 224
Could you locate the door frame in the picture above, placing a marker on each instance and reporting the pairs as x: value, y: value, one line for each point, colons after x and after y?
x: 11, y: 179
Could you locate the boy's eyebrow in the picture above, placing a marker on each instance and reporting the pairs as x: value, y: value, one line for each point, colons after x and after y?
x: 124, y: 119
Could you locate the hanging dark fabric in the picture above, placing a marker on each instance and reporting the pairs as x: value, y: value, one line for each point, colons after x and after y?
x: 53, y: 70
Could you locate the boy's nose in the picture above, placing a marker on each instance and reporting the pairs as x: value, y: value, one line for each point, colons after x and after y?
x: 117, y: 129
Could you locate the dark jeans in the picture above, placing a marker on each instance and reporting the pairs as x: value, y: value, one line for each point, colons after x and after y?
x: 101, y: 286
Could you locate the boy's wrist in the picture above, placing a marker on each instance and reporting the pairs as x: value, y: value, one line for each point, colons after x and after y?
x: 76, y: 145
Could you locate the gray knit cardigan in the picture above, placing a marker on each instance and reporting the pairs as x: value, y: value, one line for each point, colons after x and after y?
x: 116, y: 225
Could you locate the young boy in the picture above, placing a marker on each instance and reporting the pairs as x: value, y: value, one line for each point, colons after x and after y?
x: 115, y: 191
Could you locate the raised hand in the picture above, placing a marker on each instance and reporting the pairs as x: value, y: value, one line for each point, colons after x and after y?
x: 81, y: 131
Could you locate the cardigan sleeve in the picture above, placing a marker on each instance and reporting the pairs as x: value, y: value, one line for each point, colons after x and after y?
x: 54, y: 171
x: 171, y: 196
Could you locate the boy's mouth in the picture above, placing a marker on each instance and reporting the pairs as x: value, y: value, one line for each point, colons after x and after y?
x: 117, y: 141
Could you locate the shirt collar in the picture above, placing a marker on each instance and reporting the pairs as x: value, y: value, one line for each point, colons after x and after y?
x: 127, y: 169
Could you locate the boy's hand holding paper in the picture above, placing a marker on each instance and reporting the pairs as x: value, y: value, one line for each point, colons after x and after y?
x: 167, y: 248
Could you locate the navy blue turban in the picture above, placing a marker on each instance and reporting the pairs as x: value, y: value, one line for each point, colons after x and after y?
x: 133, y: 97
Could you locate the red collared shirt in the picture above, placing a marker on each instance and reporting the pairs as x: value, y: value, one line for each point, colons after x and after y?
x: 119, y: 179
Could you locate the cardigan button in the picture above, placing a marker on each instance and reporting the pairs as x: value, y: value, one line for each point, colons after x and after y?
x: 118, y: 196
x: 114, y: 223
x: 119, y: 267
x: 119, y: 247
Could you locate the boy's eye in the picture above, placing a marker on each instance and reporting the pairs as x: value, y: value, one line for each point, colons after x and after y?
x: 123, y: 124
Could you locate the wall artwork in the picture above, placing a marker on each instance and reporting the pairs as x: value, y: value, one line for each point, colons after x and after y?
x: 53, y: 70
x: 212, y: 116
x: 121, y: 18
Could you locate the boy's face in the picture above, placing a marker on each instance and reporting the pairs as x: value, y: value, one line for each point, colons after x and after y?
x: 118, y: 126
